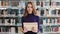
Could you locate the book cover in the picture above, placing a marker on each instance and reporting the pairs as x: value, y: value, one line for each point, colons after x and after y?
x: 30, y: 25
x: 55, y: 29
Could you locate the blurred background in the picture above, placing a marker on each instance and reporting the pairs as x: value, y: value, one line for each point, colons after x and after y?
x: 11, y: 12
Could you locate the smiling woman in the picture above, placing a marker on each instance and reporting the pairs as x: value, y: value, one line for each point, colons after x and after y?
x: 30, y: 16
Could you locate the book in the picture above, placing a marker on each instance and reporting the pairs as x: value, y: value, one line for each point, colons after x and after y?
x: 47, y: 29
x: 14, y: 3
x: 20, y: 30
x: 53, y: 12
x: 5, y: 13
x: 46, y: 3
x: 55, y: 29
x: 49, y: 21
x: 58, y: 20
x: 53, y: 20
x: 12, y: 30
x: 59, y: 29
x: 5, y: 3
x: 58, y: 12
x: 42, y: 12
x: 12, y: 21
x: 0, y: 21
x: 0, y: 12
x: 30, y: 25
x: 0, y: 3
x: 44, y: 21
x: 6, y: 22
x: 38, y: 13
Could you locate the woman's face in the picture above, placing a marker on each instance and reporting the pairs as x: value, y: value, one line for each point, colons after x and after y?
x: 29, y: 8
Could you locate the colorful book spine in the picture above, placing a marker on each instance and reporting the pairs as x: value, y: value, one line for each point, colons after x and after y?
x: 55, y: 29
x: 58, y: 20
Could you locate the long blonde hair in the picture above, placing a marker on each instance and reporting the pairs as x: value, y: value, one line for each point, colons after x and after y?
x: 26, y: 12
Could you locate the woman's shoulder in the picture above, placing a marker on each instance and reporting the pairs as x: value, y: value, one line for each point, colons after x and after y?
x: 22, y: 17
x: 36, y: 16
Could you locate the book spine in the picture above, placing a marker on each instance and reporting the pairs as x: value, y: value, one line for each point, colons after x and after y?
x: 44, y: 21
x: 59, y: 29
x: 0, y: 3
x: 20, y: 30
x: 58, y: 20
x: 12, y: 30
x: 49, y: 21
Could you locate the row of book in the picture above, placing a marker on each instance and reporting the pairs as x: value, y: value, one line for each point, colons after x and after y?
x: 40, y: 3
x: 9, y: 3
x: 9, y: 12
x: 46, y: 12
x: 51, y: 21
x: 42, y: 12
x: 52, y: 29
x: 9, y: 21
x: 12, y: 30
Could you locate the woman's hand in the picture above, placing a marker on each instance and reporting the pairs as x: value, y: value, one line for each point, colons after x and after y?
x: 25, y: 29
x: 33, y: 30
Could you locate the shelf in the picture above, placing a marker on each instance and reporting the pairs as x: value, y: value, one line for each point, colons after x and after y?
x: 8, y: 16
x: 6, y: 7
x: 51, y: 32
x: 50, y: 16
x: 52, y: 7
x: 5, y: 32
x: 9, y: 25
x: 51, y: 24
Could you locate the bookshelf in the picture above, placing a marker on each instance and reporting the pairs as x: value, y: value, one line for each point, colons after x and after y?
x: 9, y: 15
x: 11, y: 12
x: 51, y: 24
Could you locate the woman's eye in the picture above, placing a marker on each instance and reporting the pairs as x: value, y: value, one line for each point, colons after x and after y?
x: 28, y: 7
x: 31, y: 7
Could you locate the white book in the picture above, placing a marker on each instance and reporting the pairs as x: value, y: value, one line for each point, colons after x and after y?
x: 12, y: 30
x: 5, y: 13
x: 12, y: 21
x: 48, y: 21
x: 38, y: 12
x: 59, y: 29
x: 6, y: 22
x: 44, y: 21
x: 30, y: 25
x: 55, y: 21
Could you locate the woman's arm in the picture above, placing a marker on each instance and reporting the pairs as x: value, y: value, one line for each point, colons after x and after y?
x: 24, y: 29
x: 38, y: 20
x: 22, y: 24
x: 22, y: 21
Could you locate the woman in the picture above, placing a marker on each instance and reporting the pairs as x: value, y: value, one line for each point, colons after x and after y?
x: 30, y: 16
